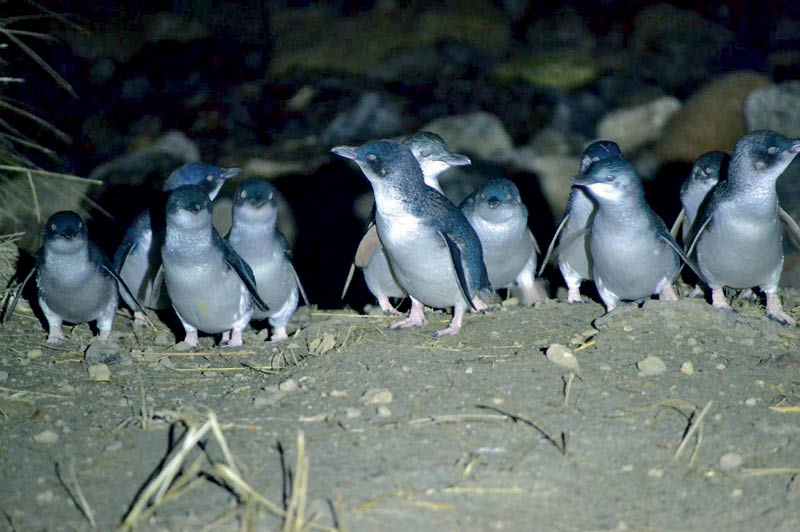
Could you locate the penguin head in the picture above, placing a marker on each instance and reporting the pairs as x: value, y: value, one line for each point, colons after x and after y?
x: 65, y: 231
x: 209, y: 178
x: 598, y: 151
x: 432, y: 154
x: 709, y: 167
x: 497, y: 201
x: 188, y: 207
x: 764, y: 153
x: 384, y: 162
x: 255, y: 200
x: 611, y: 181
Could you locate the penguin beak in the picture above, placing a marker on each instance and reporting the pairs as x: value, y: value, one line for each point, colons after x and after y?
x: 456, y: 159
x: 230, y: 173
x: 579, y: 181
x: 348, y: 152
x: 795, y: 147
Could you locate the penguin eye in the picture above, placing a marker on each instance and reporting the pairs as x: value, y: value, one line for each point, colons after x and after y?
x: 243, y: 194
x: 372, y: 157
x: 772, y: 150
x: 80, y: 225
x: 483, y: 196
x: 425, y: 154
x: 209, y: 177
x: 708, y: 169
x: 610, y: 177
x: 508, y: 197
x: 53, y: 227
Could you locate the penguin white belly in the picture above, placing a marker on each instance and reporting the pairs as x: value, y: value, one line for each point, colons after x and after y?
x: 633, y: 267
x: 421, y: 261
x: 573, y: 249
x: 275, y: 283
x: 504, y: 258
x: 379, y: 277
x: 81, y: 298
x: 740, y: 252
x: 208, y: 296
x: 136, y: 270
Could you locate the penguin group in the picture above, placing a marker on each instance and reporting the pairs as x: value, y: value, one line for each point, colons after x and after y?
x: 421, y: 245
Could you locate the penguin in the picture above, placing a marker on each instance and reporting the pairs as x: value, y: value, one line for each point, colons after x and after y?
x: 500, y: 219
x: 435, y: 254
x: 574, y: 261
x: 632, y: 253
x: 736, y: 238
x: 434, y: 157
x: 211, y: 287
x: 255, y: 238
x: 137, y: 259
x: 706, y: 172
x: 75, y: 281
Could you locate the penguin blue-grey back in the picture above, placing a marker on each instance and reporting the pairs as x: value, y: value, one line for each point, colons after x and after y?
x: 434, y: 252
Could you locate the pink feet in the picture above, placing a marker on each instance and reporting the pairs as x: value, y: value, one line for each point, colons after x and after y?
x: 386, y: 307
x: 139, y: 320
x: 55, y: 335
x: 191, y: 338
x: 416, y: 318
x: 668, y: 293
x: 232, y: 338
x: 718, y: 299
x: 574, y: 294
x: 775, y: 310
x: 278, y: 334
x: 455, y: 325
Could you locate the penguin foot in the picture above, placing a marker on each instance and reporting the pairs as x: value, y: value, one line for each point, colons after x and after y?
x: 232, y: 339
x: 139, y: 320
x: 534, y: 293
x: 718, y: 299
x: 479, y: 305
x: 668, y: 293
x: 574, y: 295
x: 386, y: 307
x: 747, y: 294
x: 775, y: 310
x: 191, y: 339
x: 105, y: 335
x: 55, y: 335
x: 696, y: 291
x: 455, y: 325
x: 279, y: 334
x: 416, y: 318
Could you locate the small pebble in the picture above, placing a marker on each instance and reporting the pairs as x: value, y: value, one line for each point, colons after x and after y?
x: 384, y: 411
x: 561, y: 355
x: 730, y: 461
x: 352, y: 413
x: 377, y: 396
x: 720, y: 366
x: 34, y: 353
x: 99, y: 373
x: 655, y: 473
x: 687, y: 368
x: 3, y: 376
x: 627, y: 468
x: 47, y: 436
x: 106, y: 353
x: 116, y: 446
x: 182, y: 347
x: 468, y: 371
x: 627, y: 328
x: 751, y: 401
x: 498, y: 400
x: 45, y: 497
x: 650, y: 366
x: 737, y: 493
x: 163, y: 340
x: 289, y: 385
x: 338, y: 393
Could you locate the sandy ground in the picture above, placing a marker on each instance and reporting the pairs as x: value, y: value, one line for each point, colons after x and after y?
x: 402, y: 432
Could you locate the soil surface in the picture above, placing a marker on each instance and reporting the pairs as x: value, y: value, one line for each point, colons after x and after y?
x: 402, y: 432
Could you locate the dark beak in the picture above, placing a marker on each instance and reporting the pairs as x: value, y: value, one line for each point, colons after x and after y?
x: 795, y: 147
x: 230, y: 173
x: 579, y: 181
x: 456, y: 159
x: 348, y: 152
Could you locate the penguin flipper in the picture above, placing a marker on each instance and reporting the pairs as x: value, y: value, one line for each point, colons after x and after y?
x: 553, y: 241
x: 535, y: 243
x: 367, y: 247
x: 666, y: 237
x: 158, y: 283
x: 697, y: 230
x: 791, y: 226
x: 287, y: 250
x: 10, y: 311
x: 125, y: 291
x: 678, y: 223
x: 458, y: 264
x: 242, y: 269
x: 300, y: 285
x: 349, y: 279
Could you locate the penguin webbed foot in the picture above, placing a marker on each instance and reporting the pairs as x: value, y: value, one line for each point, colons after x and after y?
x: 718, y: 299
x: 455, y: 325
x: 232, y: 338
x: 279, y: 334
x: 668, y: 293
x: 191, y: 339
x: 574, y: 296
x: 139, y: 320
x: 55, y: 335
x: 775, y: 311
x: 387, y: 308
x: 416, y: 318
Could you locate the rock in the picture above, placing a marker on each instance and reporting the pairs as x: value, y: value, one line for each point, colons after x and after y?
x: 561, y: 355
x: 373, y: 116
x: 652, y: 365
x: 710, y: 119
x: 562, y: 69
x: 33, y: 354
x: 730, y: 461
x: 687, y: 368
x: 155, y: 161
x: 162, y: 340
x: 377, y: 396
x: 289, y: 385
x: 100, y: 352
x: 99, y: 373
x: 676, y: 48
x: 750, y: 401
x: 172, y: 27
x: 45, y: 497
x: 320, y: 346
x: 775, y: 107
x: 352, y: 413
x: 182, y: 347
x: 3, y: 376
x: 633, y: 127
x: 384, y: 411
x: 47, y: 437
x: 480, y: 134
x: 554, y: 173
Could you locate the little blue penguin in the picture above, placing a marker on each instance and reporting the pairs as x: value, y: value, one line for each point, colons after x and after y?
x: 211, y: 287
x: 434, y: 157
x: 74, y: 279
x: 706, y: 172
x: 435, y: 253
x: 138, y: 256
x: 633, y: 255
x: 574, y: 260
x: 256, y: 239
x: 736, y: 238
x: 497, y: 214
